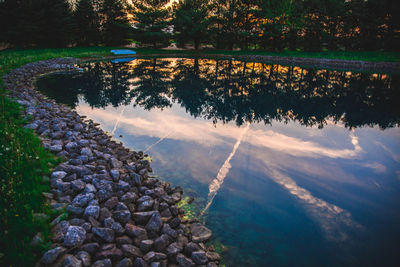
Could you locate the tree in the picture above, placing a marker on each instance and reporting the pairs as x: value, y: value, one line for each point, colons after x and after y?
x: 116, y: 27
x: 151, y: 22
x: 191, y: 21
x: 37, y: 22
x: 87, y: 23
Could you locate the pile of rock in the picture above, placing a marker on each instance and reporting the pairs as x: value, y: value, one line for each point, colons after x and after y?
x: 117, y: 214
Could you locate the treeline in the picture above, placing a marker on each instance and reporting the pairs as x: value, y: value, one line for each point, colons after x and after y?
x: 309, y: 25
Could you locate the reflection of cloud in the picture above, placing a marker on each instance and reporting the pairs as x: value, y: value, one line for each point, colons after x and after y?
x: 223, y: 171
x: 158, y: 141
x: 393, y: 155
x: 297, y: 147
x: 118, y: 119
x: 333, y: 219
x: 377, y: 167
x: 200, y: 131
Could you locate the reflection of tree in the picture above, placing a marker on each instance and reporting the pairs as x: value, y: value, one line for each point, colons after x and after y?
x: 225, y: 90
x: 151, y: 85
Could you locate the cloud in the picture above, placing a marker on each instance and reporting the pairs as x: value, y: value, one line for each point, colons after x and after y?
x: 203, y: 132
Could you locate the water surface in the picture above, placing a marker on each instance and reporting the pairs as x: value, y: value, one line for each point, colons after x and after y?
x: 289, y: 166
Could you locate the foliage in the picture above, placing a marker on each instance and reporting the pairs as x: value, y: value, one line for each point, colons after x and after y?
x: 151, y: 22
x: 273, y: 25
x: 23, y: 165
x: 36, y: 22
x: 191, y: 22
x: 188, y: 208
x: 116, y: 27
x: 86, y: 23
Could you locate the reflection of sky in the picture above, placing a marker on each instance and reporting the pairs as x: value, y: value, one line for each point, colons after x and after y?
x: 340, y: 178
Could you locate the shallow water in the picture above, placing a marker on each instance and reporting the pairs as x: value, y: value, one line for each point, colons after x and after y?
x: 289, y: 166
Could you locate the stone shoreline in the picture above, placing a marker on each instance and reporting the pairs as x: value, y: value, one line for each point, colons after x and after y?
x: 118, y: 215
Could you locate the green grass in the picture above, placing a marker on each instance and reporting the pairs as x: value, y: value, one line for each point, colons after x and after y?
x: 24, y: 164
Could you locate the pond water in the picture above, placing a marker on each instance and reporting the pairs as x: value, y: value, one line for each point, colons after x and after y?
x: 288, y: 166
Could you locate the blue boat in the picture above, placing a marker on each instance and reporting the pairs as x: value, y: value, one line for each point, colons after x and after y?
x: 122, y: 60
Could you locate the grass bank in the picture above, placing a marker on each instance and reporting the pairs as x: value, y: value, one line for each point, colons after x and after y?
x: 24, y: 166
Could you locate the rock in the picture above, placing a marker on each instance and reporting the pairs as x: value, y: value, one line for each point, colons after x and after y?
x: 155, y: 222
x: 146, y: 205
x: 161, y: 242
x: 111, y: 203
x: 123, y: 186
x: 115, y: 164
x: 52, y: 255
x: 139, y: 262
x: 128, y: 197
x: 92, y: 211
x: 103, y: 194
x: 82, y: 200
x: 175, y: 222
x: 59, y: 231
x: 108, y: 222
x: 71, y: 261
x: 104, y: 213
x: 212, y: 264
x: 78, y: 185
x: 166, y: 213
x: 114, y: 174
x: 173, y: 249
x: 75, y: 236
x: 142, y: 217
x: 183, y: 261
x: 113, y: 253
x: 102, y: 263
x: 135, y: 231
x: 125, y: 263
x: 121, y: 240
x: 117, y: 228
x: 75, y: 210
x: 89, y: 188
x: 149, y: 256
x: 190, y: 248
x: 200, y: 233
x: 86, y: 152
x: 123, y: 216
x: 104, y: 233
x: 213, y: 256
x: 71, y: 146
x: 55, y: 148
x: 84, y: 257
x: 131, y: 251
x: 166, y: 229
x: 58, y: 174
x: 146, y: 245
x: 91, y: 247
x: 199, y: 257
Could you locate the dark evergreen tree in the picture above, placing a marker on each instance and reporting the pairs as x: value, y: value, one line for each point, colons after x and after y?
x: 116, y: 27
x: 37, y: 22
x: 151, y: 22
x: 86, y: 23
x: 223, y: 28
x: 191, y: 22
